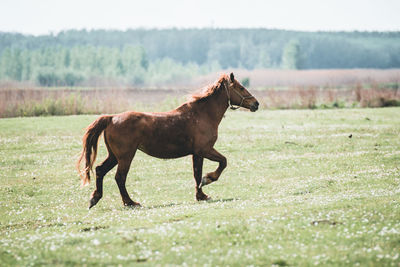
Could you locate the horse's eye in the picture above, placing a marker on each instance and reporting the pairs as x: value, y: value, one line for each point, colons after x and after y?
x: 242, y: 88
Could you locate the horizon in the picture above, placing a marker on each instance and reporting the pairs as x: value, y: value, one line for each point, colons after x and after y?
x: 55, y: 33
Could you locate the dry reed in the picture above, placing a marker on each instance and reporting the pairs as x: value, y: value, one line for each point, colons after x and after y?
x: 41, y: 102
x: 277, y: 89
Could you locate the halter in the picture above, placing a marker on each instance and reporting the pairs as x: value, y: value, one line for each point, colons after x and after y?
x: 242, y: 97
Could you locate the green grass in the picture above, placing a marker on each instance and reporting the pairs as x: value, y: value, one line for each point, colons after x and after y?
x: 297, y: 191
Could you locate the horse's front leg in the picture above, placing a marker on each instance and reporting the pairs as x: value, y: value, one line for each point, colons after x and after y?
x: 197, y: 171
x: 210, y: 177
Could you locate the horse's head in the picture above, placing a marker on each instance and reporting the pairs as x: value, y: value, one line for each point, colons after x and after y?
x: 239, y: 96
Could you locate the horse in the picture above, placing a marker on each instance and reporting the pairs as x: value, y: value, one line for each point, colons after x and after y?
x: 190, y: 129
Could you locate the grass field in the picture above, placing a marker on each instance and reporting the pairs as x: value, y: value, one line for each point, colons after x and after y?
x: 297, y: 191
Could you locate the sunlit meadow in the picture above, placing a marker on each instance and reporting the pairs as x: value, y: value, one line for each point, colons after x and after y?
x: 302, y: 187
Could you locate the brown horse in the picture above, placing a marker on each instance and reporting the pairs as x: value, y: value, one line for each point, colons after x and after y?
x: 190, y: 129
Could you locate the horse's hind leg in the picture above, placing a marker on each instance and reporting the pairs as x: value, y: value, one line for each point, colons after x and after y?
x: 120, y: 178
x: 101, y: 171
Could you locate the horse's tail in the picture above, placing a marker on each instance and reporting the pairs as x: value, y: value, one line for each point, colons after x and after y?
x: 89, y: 151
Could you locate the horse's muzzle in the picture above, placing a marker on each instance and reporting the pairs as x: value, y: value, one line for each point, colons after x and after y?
x: 254, y: 106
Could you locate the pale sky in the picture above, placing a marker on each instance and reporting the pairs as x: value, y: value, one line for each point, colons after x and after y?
x: 45, y: 16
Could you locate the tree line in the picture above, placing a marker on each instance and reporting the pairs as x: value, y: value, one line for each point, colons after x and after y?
x: 140, y: 56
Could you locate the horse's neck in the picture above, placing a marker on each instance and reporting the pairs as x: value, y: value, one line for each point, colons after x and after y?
x: 215, y: 106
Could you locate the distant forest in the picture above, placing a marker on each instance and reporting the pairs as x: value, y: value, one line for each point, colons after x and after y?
x: 152, y: 57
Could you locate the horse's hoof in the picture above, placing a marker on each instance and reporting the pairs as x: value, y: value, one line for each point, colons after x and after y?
x: 93, y: 201
x: 202, y: 197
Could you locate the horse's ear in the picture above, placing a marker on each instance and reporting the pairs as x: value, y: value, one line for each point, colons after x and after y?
x: 232, y: 77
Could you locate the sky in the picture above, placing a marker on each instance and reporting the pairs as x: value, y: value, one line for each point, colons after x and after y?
x: 39, y: 17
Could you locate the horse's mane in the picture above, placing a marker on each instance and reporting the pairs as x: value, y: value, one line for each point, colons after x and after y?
x: 209, y: 90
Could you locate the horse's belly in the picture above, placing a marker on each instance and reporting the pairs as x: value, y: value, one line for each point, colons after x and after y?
x: 165, y: 150
x: 166, y: 137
